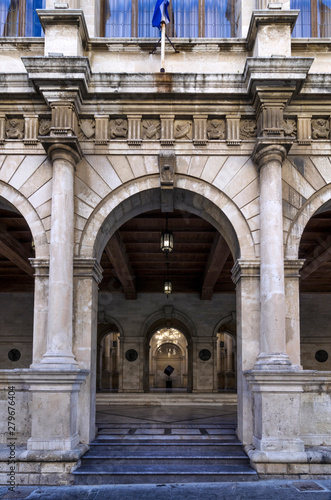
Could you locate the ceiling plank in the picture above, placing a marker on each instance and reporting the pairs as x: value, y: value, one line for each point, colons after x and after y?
x: 320, y: 255
x: 13, y: 250
x: 116, y: 252
x: 218, y: 256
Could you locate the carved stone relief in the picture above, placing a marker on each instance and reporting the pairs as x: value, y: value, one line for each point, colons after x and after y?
x: 320, y: 128
x: 248, y: 129
x: 87, y: 129
x: 216, y: 129
x: 290, y: 127
x: 118, y: 128
x: 14, y: 128
x: 151, y: 129
x: 183, y: 129
x: 44, y: 126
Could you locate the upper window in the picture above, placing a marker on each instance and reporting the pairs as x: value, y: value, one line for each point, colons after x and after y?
x: 189, y: 18
x: 314, y: 19
x: 19, y: 17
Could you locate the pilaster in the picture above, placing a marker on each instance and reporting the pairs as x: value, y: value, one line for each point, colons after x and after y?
x: 134, y: 130
x: 246, y: 276
x: 232, y: 129
x: 167, y: 130
x: 101, y: 129
x: 200, y: 130
x: 31, y: 129
x: 292, y: 309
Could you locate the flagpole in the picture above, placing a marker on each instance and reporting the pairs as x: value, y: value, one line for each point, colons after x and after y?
x: 163, y: 27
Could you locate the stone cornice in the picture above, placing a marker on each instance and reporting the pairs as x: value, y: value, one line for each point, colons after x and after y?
x: 245, y: 269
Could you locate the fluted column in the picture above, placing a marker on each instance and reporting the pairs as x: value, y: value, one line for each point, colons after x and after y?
x: 59, y: 329
x: 272, y: 296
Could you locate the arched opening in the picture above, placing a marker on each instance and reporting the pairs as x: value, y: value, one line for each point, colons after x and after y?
x: 226, y: 362
x: 16, y: 288
x: 108, y: 362
x: 315, y: 291
x: 168, y: 360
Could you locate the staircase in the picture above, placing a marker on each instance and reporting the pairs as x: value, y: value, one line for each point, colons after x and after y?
x: 162, y: 453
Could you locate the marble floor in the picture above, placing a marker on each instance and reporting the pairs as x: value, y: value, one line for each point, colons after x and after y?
x: 129, y: 421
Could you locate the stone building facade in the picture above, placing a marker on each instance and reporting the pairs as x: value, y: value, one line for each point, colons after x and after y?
x: 233, y: 140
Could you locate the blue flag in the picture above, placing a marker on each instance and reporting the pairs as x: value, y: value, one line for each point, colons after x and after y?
x: 160, y: 13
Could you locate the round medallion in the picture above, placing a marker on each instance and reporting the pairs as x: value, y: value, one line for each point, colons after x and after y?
x: 14, y: 355
x: 321, y: 356
x: 131, y: 355
x: 204, y: 355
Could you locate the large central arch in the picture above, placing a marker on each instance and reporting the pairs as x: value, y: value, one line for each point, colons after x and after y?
x: 190, y: 196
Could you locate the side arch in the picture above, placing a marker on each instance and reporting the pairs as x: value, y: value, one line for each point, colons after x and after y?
x: 316, y: 202
x: 20, y: 203
x: 191, y: 195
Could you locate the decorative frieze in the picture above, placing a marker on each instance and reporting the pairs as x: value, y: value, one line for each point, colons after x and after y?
x: 101, y: 129
x: 14, y: 128
x: 44, y: 127
x: 151, y: 129
x: 216, y: 129
x: 118, y: 128
x: 233, y: 130
x: 200, y: 130
x: 304, y: 129
x: 248, y: 129
x: 183, y: 130
x: 87, y: 129
x: 134, y: 130
x: 290, y: 127
x: 167, y: 130
x: 320, y: 128
x: 2, y: 128
x: 30, y: 129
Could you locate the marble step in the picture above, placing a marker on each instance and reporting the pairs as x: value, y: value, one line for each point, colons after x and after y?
x: 160, y: 399
x: 175, y: 473
x: 119, y: 438
x: 165, y: 425
x: 176, y: 446
x: 172, y: 431
x: 96, y: 464
x: 164, y: 451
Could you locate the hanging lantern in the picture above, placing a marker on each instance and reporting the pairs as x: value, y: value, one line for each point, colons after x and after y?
x: 167, y: 241
x: 167, y: 287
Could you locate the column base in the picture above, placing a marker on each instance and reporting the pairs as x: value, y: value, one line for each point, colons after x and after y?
x: 57, y: 360
x: 278, y: 445
x: 273, y: 361
x: 66, y: 444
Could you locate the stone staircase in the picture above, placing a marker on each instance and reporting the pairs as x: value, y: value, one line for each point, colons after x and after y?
x: 161, y: 453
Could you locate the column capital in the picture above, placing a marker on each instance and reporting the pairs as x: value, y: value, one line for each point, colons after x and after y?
x: 263, y: 154
x: 41, y: 267
x: 63, y: 148
x: 87, y: 268
x: 245, y: 269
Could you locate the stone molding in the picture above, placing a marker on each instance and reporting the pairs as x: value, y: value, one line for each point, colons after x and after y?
x: 41, y: 267
x: 268, y: 153
x: 292, y: 267
x: 245, y: 269
x: 87, y: 268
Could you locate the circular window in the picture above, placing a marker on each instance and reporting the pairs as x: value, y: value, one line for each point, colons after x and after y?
x: 131, y: 355
x: 14, y: 355
x: 321, y: 356
x: 204, y: 355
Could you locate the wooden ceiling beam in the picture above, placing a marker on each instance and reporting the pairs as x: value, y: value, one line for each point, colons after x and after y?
x: 116, y: 252
x: 218, y: 256
x: 14, y: 251
x: 320, y: 255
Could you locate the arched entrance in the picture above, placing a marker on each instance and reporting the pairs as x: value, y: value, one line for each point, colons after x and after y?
x: 190, y: 206
x: 168, y: 360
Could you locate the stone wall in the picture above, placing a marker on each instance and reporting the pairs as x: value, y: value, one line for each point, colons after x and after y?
x: 16, y: 328
x: 315, y: 330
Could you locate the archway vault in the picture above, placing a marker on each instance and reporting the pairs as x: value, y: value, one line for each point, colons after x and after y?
x: 191, y: 195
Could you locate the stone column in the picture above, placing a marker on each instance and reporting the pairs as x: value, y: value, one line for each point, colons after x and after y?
x: 292, y: 310
x: 59, y: 329
x: 246, y: 275
x: 272, y: 297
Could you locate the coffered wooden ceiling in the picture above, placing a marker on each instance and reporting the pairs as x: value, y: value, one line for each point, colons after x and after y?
x: 133, y: 262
